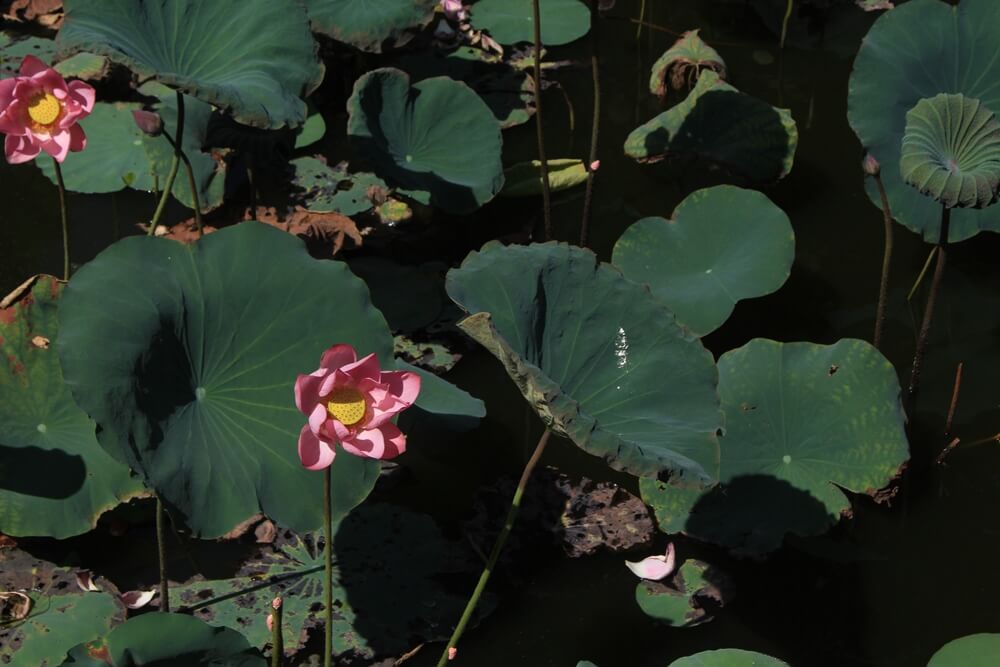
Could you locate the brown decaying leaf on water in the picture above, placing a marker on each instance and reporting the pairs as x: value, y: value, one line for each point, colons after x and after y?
x: 331, y: 227
x: 46, y: 13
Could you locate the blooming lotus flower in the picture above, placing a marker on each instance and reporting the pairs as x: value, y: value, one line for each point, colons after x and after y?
x: 654, y: 567
x: 39, y: 111
x: 352, y: 402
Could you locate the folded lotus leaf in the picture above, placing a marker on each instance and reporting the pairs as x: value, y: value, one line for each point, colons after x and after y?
x: 718, y: 124
x: 951, y: 151
x: 599, y: 359
x: 681, y: 64
x: 369, y: 25
x: 918, y: 50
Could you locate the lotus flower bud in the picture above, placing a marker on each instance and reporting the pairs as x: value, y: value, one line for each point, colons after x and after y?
x: 148, y: 121
x: 870, y: 165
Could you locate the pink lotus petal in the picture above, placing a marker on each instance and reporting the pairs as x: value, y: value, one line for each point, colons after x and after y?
x: 403, y: 384
x: 452, y: 652
x: 276, y: 602
x: 307, y: 392
x: 77, y: 139
x: 363, y: 368
x: 369, y: 444
x: 20, y: 149
x: 595, y: 165
x: 317, y: 418
x: 338, y: 356
x: 85, y: 581
x: 138, y: 599
x: 31, y: 66
x: 57, y: 145
x: 314, y: 453
x: 83, y: 94
x: 6, y: 92
x: 654, y: 568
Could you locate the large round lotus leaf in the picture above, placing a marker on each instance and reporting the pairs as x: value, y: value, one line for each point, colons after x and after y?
x: 389, y: 565
x: 722, y: 126
x: 55, y: 480
x: 723, y: 244
x: 801, y: 420
x: 951, y: 151
x: 369, y: 24
x: 507, y: 90
x: 979, y: 650
x: 918, y: 50
x: 196, y: 392
x: 728, y: 657
x: 681, y: 64
x: 599, y: 359
x: 115, y: 157
x: 254, y: 59
x: 410, y: 134
x: 166, y: 639
x: 511, y: 21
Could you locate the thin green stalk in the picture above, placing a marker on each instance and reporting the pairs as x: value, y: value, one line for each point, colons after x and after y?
x: 925, y: 326
x: 174, y: 166
x: 784, y: 22
x: 253, y: 187
x: 923, y: 272
x: 595, y: 125
x: 161, y: 547
x: 328, y: 576
x: 515, y: 506
x: 641, y: 21
x: 277, y: 641
x: 64, y: 217
x: 546, y: 194
x: 192, y: 184
x: 883, y: 289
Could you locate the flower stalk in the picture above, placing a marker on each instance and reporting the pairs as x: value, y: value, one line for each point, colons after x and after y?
x: 515, y: 507
x: 178, y: 141
x: 161, y: 548
x: 546, y: 192
x: 63, y: 216
x: 595, y: 125
x: 925, y: 325
x: 328, y: 572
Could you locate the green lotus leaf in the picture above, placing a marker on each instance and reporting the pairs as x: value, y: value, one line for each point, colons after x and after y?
x: 196, y: 394
x: 439, y: 396
x: 599, y: 359
x: 332, y: 189
x: 258, y: 69
x: 918, y: 50
x: 389, y: 563
x: 507, y: 90
x: 524, y: 179
x: 951, y: 151
x: 678, y: 604
x: 409, y: 134
x: 801, y: 420
x: 510, y: 21
x: 81, y: 66
x: 115, y: 157
x: 312, y: 130
x: 57, y: 624
x: 166, y: 639
x: 728, y: 657
x: 720, y: 125
x: 680, y: 65
x: 369, y: 24
x: 980, y: 650
x: 55, y: 480
x: 723, y: 244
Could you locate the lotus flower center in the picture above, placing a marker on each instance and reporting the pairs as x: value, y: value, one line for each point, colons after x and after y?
x: 346, y: 405
x: 44, y: 109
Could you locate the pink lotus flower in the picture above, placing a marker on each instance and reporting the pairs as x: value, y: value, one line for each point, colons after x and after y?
x: 352, y: 402
x: 654, y: 567
x: 39, y: 111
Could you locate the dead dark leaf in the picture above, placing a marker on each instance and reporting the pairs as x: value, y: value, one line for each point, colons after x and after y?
x: 330, y: 227
x: 46, y: 13
x: 14, y: 606
x: 266, y: 532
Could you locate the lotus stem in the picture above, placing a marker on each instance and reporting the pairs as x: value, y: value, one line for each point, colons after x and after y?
x: 328, y: 575
x: 515, y: 507
x: 277, y: 641
x: 546, y: 194
x: 883, y: 289
x: 192, y: 184
x: 640, y: 22
x: 63, y: 216
x: 161, y: 547
x: 784, y: 22
x: 923, y: 272
x: 595, y: 127
x: 253, y: 186
x: 174, y: 166
x: 953, y: 404
x: 925, y: 326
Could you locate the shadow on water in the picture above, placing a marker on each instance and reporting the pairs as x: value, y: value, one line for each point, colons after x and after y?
x: 19, y: 472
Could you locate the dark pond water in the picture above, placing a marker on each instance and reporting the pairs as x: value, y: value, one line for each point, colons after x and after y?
x: 886, y: 588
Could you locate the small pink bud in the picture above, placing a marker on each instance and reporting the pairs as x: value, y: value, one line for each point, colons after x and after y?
x: 595, y: 165
x: 276, y: 602
x: 148, y: 121
x: 452, y: 652
x: 270, y: 622
x: 870, y: 165
x: 654, y: 568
